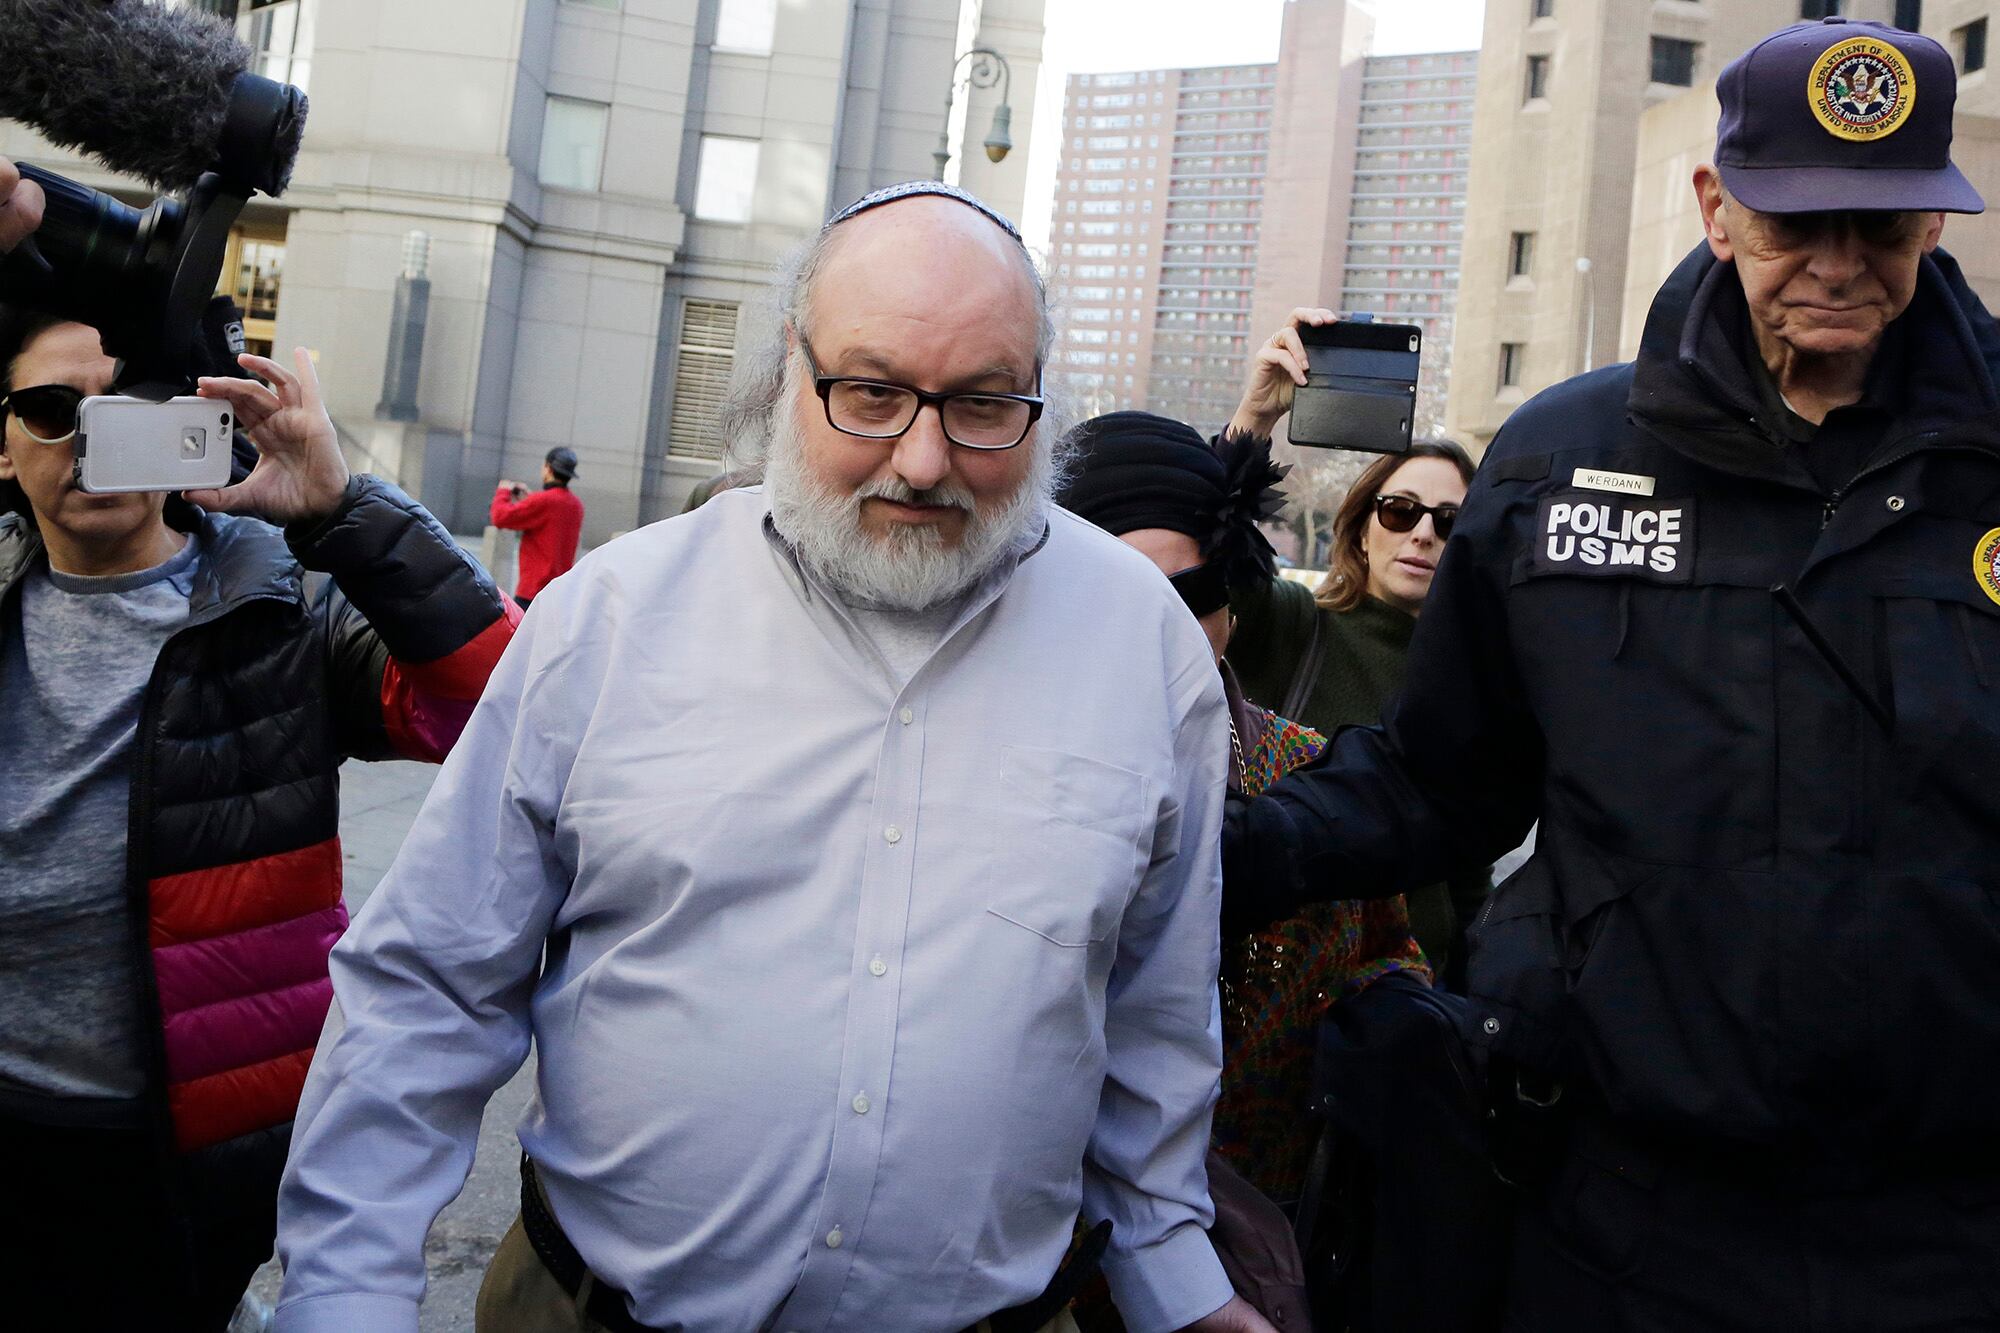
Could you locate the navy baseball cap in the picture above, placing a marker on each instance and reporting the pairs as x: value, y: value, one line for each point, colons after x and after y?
x: 562, y: 461
x: 1841, y: 115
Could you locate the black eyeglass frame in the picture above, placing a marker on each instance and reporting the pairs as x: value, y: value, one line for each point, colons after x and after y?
x: 824, y: 385
x: 1443, y: 517
x: 71, y: 391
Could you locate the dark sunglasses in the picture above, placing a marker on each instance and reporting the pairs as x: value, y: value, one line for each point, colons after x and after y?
x: 47, y: 412
x: 1203, y: 587
x: 1399, y: 513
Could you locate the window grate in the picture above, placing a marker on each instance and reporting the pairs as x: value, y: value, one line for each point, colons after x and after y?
x: 702, y: 365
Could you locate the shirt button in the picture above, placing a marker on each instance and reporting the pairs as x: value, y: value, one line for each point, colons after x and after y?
x: 1895, y: 504
x: 906, y: 717
x: 861, y: 1103
x: 876, y: 967
x: 892, y: 834
x: 833, y: 1239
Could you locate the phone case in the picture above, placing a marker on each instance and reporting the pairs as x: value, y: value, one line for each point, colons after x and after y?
x: 128, y: 444
x: 1361, y: 386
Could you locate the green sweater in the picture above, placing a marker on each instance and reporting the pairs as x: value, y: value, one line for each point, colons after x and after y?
x: 1362, y: 657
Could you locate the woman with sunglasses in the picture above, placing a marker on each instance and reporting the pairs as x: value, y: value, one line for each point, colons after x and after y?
x: 1334, y: 658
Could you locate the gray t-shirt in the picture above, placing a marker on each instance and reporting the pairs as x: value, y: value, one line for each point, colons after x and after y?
x: 75, y: 656
x: 906, y: 639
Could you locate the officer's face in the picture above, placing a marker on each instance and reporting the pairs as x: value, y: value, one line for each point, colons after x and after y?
x: 1820, y: 284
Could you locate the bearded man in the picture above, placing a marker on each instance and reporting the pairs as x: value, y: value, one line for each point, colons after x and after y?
x: 863, y: 938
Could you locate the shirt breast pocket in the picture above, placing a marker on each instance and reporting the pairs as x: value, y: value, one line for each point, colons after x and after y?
x: 1068, y: 844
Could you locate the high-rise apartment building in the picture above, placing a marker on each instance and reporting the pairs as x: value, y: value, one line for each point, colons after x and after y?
x: 1195, y: 208
x: 1563, y: 86
x: 603, y: 187
x: 1408, y: 213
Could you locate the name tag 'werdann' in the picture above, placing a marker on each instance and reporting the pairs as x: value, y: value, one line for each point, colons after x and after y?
x: 1626, y: 483
x: 1615, y: 537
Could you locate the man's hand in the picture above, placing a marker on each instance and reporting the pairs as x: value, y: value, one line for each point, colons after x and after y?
x: 1239, y: 1316
x: 1276, y: 372
x: 21, y: 204
x: 300, y: 474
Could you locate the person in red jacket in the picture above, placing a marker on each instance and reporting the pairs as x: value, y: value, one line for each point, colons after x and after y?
x: 549, y: 521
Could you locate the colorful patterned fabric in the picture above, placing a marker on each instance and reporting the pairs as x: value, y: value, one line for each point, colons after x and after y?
x: 1278, y: 983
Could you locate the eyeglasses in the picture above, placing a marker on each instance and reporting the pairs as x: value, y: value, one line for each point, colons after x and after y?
x: 885, y: 410
x: 1399, y: 513
x: 47, y: 412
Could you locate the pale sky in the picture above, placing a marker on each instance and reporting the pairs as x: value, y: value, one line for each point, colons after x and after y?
x: 1101, y: 36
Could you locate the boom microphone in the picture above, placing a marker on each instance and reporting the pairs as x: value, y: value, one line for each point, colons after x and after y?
x: 163, y: 94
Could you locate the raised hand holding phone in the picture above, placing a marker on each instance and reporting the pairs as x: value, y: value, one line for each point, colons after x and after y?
x: 1277, y: 371
x: 300, y: 473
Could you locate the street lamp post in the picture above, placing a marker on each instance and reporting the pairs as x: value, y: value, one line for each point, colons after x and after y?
x: 988, y: 68
x: 1589, y: 312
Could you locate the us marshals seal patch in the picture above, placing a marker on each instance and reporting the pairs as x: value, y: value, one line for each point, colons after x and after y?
x: 1862, y: 89
x: 1615, y: 537
x: 1986, y: 564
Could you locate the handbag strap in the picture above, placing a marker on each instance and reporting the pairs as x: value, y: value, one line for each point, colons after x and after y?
x: 1306, y: 674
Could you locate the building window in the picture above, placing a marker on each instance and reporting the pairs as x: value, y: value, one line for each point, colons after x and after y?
x: 1673, y: 61
x: 1521, y: 254
x: 702, y: 364
x: 572, y: 143
x: 280, y: 36
x: 1819, y: 9
x: 1538, y: 79
x: 1511, y: 357
x: 1541, y: 9
x: 746, y: 26
x: 1971, y: 44
x: 726, y: 179
x: 1910, y: 15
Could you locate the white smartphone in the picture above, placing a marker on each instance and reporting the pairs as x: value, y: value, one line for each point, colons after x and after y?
x: 129, y: 444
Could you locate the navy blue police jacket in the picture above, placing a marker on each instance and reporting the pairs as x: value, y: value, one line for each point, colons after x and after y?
x: 1759, y: 722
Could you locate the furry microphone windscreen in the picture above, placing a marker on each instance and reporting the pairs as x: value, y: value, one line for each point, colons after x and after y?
x: 143, y: 88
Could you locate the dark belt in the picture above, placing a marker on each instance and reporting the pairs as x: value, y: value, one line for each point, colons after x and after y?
x: 612, y: 1308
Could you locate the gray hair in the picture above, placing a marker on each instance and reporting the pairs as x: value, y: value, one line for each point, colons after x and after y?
x: 758, y: 386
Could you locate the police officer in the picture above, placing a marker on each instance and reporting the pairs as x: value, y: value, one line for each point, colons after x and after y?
x: 1735, y: 609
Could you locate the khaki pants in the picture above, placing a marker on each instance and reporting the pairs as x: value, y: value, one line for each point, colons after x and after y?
x: 520, y: 1295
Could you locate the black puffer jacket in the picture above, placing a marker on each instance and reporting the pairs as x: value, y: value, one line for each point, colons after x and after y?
x: 233, y: 854
x: 1760, y: 725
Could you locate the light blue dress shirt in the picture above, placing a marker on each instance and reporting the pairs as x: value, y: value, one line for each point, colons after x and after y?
x: 854, y: 991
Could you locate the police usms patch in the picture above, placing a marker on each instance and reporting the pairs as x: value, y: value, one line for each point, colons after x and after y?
x: 1862, y: 89
x: 1986, y: 564
x: 1614, y: 537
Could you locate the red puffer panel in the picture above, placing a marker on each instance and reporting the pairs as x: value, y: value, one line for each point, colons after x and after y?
x: 239, y: 957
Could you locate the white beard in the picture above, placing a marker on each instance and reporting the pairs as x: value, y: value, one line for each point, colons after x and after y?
x: 909, y: 567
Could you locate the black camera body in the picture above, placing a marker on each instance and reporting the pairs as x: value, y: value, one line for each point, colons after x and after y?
x: 1361, y: 386
x: 166, y: 94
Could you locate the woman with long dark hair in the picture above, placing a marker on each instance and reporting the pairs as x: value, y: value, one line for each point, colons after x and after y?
x: 1334, y: 658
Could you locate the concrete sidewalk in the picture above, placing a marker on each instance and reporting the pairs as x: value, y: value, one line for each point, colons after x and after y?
x: 378, y: 803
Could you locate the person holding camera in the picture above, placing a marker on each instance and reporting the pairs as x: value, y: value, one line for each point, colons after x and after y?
x: 550, y: 522
x: 1334, y: 657
x: 1727, y: 621
x: 179, y: 683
